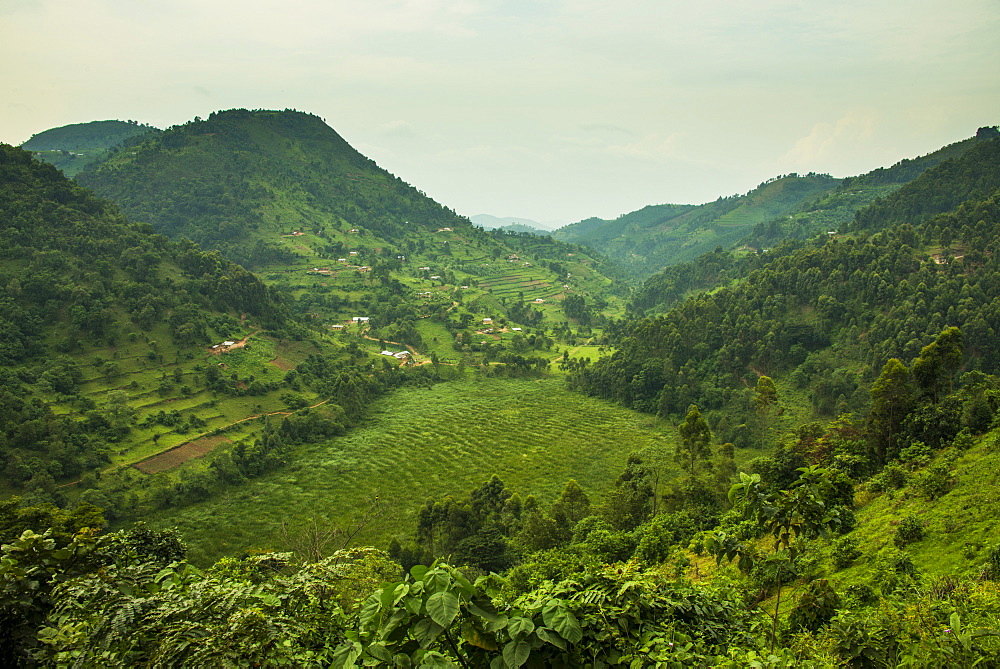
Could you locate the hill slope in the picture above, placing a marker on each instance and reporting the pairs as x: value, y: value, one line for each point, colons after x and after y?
x: 284, y: 194
x: 101, y: 322
x: 71, y: 148
x: 646, y: 240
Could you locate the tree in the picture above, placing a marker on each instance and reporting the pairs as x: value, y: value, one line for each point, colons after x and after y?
x: 892, y: 399
x: 765, y: 404
x: 630, y: 502
x: 934, y: 370
x: 809, y: 508
x: 572, y: 505
x: 696, y: 438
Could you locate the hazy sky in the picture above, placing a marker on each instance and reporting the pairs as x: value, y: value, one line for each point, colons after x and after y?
x: 543, y: 109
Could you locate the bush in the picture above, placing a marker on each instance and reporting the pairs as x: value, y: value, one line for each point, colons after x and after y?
x: 910, y: 530
x: 934, y: 481
x: 893, y: 477
x: 895, y: 571
x: 991, y: 570
x: 815, y: 608
x: 844, y: 551
x: 916, y: 455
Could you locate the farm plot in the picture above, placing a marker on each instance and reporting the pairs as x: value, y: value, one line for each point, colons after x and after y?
x: 423, y: 443
x: 175, y: 457
x: 530, y: 284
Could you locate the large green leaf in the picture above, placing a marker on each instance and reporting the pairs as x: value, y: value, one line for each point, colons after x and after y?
x: 426, y: 631
x: 558, y: 617
x: 435, y: 660
x: 437, y: 580
x: 516, y: 653
x: 369, y: 609
x: 442, y: 607
x: 399, y: 592
x: 519, y: 627
x: 476, y: 636
x: 387, y: 596
x: 379, y: 652
x: 550, y: 636
x: 346, y: 654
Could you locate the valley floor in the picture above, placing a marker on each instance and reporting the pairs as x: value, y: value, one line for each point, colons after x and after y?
x: 420, y: 443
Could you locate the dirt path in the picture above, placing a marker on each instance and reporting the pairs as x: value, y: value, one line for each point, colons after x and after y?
x: 396, y: 343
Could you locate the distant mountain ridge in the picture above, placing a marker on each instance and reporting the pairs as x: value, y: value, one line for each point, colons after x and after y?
x: 652, y: 237
x: 512, y: 224
x: 71, y: 148
x: 787, y: 207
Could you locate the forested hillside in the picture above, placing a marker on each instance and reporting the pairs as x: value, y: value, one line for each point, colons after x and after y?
x: 786, y: 208
x: 940, y: 182
x: 645, y: 241
x: 828, y: 315
x: 96, y: 308
x: 72, y: 148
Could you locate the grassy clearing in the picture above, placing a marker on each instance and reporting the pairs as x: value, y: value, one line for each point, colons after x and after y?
x: 421, y: 443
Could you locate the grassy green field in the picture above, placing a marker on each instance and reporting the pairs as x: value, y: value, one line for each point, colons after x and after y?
x: 420, y: 443
x: 959, y: 527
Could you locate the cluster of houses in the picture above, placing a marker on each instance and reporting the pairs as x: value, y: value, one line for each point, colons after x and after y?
x: 398, y: 355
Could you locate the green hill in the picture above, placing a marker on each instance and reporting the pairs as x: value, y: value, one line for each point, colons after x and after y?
x: 646, y: 240
x: 240, y: 179
x: 106, y: 329
x: 785, y: 208
x: 284, y: 194
x: 72, y: 148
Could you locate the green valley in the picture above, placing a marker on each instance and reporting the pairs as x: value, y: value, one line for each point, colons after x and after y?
x: 269, y: 404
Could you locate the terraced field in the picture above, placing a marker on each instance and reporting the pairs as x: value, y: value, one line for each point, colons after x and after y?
x: 532, y: 284
x: 422, y: 443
